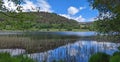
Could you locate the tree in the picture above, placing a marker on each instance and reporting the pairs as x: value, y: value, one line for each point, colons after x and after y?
x: 17, y: 2
x: 3, y: 8
x: 109, y: 15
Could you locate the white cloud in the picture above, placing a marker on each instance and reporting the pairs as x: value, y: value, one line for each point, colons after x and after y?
x: 79, y: 18
x: 30, y: 6
x: 72, y: 10
x: 81, y: 8
x: 9, y: 5
x: 92, y: 19
x: 66, y: 16
x: 44, y: 5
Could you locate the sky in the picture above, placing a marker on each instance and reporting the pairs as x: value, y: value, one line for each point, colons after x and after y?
x: 79, y: 10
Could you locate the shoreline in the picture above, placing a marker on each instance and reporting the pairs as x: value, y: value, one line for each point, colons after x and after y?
x: 46, y: 30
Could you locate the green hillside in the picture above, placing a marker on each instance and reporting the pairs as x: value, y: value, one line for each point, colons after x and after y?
x: 35, y: 21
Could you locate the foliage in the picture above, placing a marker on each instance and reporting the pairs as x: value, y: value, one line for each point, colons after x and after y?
x: 102, y: 57
x: 6, y: 57
x: 108, y: 20
x: 24, y: 58
x: 99, y: 57
x: 116, y: 53
x: 36, y: 21
x: 69, y: 29
x: 4, y: 9
x: 119, y: 48
x: 10, y: 20
x: 115, y: 58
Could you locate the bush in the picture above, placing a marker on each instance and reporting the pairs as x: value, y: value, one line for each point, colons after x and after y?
x: 69, y: 29
x: 119, y: 48
x: 115, y: 58
x: 102, y: 57
x: 99, y: 57
x: 116, y: 53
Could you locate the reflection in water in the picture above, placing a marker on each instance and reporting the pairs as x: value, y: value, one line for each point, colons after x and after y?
x: 13, y: 51
x: 36, y: 42
x: 77, y: 52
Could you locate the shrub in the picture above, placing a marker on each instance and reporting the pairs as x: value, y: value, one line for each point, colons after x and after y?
x: 99, y: 57
x: 116, y: 53
x: 115, y: 58
x: 119, y: 48
x: 69, y: 29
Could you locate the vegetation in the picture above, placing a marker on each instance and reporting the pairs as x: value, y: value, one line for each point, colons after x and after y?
x: 38, y: 21
x: 34, y: 43
x: 115, y: 58
x: 108, y: 20
x: 119, y: 48
x: 103, y: 57
x: 6, y: 57
x: 10, y: 20
x: 99, y: 57
x: 3, y: 8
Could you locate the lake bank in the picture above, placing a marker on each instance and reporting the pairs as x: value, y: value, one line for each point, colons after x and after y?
x: 47, y: 30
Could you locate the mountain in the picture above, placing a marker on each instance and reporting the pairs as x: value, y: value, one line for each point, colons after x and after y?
x: 35, y: 20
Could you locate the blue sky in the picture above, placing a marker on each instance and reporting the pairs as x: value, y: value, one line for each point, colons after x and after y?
x: 61, y: 7
x: 73, y: 9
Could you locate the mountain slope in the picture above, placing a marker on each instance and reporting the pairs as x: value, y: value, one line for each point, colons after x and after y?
x: 35, y: 20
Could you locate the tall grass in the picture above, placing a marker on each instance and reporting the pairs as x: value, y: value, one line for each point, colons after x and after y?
x: 6, y: 57
x: 31, y: 45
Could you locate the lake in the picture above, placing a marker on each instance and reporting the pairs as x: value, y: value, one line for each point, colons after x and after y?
x: 55, y: 46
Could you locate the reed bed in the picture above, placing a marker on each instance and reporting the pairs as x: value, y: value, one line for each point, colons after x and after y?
x: 31, y: 45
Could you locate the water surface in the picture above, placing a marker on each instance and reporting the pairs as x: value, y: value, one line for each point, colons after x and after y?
x: 55, y: 46
x: 80, y: 51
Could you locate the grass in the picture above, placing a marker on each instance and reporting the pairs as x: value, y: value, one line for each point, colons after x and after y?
x: 30, y: 44
x: 6, y: 57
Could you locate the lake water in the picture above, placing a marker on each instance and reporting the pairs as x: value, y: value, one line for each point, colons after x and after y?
x: 55, y: 46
